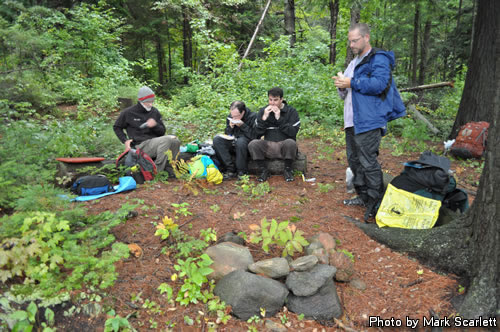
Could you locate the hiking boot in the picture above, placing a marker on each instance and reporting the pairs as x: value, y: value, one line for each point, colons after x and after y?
x: 228, y: 176
x: 264, y: 175
x: 288, y: 174
x: 354, y: 201
x: 241, y: 174
x: 371, y: 209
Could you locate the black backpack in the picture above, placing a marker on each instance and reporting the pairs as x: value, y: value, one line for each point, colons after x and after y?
x: 91, y: 185
x: 429, y: 177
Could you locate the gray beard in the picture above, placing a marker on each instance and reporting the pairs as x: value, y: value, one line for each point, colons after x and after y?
x: 146, y: 108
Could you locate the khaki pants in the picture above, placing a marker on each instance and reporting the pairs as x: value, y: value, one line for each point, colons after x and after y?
x: 261, y: 149
x: 156, y: 148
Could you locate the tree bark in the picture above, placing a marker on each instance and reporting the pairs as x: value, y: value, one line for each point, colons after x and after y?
x: 290, y: 21
x: 160, y: 55
x: 355, y: 17
x: 479, y: 91
x: 187, y: 45
x: 416, y: 23
x: 469, y: 246
x: 334, y: 15
x: 423, y: 52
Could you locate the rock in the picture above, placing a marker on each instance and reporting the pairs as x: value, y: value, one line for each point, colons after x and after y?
x: 276, y: 166
x: 232, y: 237
x: 227, y: 257
x: 246, y: 293
x: 344, y: 265
x: 322, y: 255
x: 323, y: 305
x: 308, y: 282
x: 274, y: 327
x: 326, y: 240
x: 358, y: 284
x: 304, y: 263
x: 312, y: 246
x: 92, y: 309
x: 273, y: 268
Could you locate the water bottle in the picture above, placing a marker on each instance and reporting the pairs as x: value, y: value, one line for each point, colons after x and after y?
x: 349, y: 177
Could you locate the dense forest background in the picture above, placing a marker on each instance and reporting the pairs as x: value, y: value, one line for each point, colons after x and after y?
x: 65, y: 65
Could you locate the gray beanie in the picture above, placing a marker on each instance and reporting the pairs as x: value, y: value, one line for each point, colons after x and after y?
x: 145, y: 95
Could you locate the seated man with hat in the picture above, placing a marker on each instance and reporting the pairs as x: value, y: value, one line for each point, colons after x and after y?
x: 140, y: 126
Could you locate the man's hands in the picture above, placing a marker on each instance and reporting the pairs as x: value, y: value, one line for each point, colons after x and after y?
x: 127, y: 144
x: 151, y: 123
x: 271, y: 109
x: 341, y: 81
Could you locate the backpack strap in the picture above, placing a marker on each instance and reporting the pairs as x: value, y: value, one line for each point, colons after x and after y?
x: 124, y: 153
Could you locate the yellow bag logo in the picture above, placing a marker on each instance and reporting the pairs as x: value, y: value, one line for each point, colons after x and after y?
x: 400, y: 208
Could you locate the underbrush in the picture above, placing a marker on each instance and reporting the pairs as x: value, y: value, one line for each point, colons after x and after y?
x: 49, y: 248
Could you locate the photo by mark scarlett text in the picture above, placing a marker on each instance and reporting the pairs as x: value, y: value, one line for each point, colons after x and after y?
x: 457, y: 321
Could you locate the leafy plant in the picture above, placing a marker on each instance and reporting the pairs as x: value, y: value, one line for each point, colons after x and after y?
x: 195, y: 272
x: 324, y: 188
x: 282, y: 234
x: 165, y: 228
x: 116, y: 323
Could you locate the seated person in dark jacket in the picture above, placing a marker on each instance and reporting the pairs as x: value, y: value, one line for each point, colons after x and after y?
x: 279, y: 123
x: 239, y: 133
x: 145, y: 130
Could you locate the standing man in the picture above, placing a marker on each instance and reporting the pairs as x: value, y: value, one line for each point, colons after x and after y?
x: 145, y: 130
x: 239, y: 132
x: 370, y: 101
x: 279, y: 123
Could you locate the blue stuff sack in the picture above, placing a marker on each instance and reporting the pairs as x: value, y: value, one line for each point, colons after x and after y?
x: 91, y: 185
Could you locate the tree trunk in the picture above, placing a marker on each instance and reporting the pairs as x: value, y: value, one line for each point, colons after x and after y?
x: 187, y: 45
x: 469, y: 246
x: 334, y: 15
x: 479, y: 91
x: 290, y: 21
x: 483, y: 296
x: 423, y: 52
x: 355, y: 17
x: 416, y: 23
x: 160, y: 55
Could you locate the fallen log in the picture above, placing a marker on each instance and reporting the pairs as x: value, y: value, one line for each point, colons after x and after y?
x: 428, y: 86
x: 422, y: 118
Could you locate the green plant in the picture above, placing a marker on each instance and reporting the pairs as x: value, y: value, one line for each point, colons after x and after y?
x: 116, y: 323
x: 208, y: 235
x: 218, y: 307
x: 348, y: 254
x: 215, y: 208
x: 164, y: 229
x: 165, y: 288
x: 324, y: 188
x: 26, y: 320
x: 249, y: 187
x: 195, y: 272
x: 181, y: 209
x: 282, y: 234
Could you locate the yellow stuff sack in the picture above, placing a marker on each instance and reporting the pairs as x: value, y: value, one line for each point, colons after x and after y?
x: 400, y: 208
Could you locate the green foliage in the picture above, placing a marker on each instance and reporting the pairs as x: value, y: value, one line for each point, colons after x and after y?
x: 45, y: 245
x: 52, y: 57
x: 325, y: 187
x: 26, y: 320
x: 195, y: 272
x: 282, y: 234
x: 116, y: 323
x: 249, y: 187
x: 29, y: 150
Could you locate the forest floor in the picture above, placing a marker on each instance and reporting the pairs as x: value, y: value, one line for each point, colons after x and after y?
x: 397, y: 286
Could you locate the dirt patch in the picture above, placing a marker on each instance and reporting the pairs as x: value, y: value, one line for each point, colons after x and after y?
x: 396, y: 285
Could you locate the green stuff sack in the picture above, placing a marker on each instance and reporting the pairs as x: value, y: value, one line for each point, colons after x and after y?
x: 400, y: 208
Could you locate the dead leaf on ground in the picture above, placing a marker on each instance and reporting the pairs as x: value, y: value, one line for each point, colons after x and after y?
x: 135, y: 249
